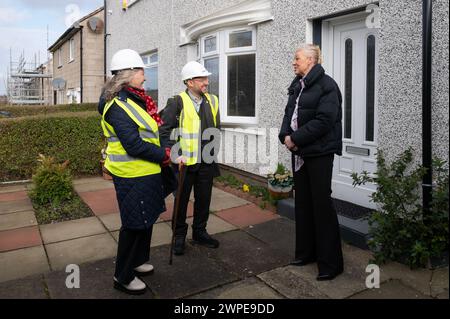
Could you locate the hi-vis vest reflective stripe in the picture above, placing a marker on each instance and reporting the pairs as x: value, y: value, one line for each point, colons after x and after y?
x: 118, y: 162
x: 190, y: 126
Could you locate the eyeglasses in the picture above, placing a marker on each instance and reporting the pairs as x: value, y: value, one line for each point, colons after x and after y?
x: 201, y: 80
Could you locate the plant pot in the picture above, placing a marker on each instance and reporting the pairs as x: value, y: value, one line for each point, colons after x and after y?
x: 278, y: 193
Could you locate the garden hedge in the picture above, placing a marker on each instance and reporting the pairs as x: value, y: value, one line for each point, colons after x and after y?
x: 29, y: 110
x: 66, y: 136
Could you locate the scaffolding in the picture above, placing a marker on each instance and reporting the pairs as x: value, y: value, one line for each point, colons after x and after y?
x: 29, y: 83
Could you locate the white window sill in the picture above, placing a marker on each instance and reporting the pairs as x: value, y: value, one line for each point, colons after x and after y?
x: 246, y: 131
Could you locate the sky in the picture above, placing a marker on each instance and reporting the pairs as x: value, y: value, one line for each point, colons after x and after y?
x: 23, y: 27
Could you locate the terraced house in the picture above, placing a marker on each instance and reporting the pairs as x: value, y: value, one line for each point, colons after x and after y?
x: 374, y: 50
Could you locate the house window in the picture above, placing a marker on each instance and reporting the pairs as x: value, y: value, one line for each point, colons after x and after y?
x: 151, y: 74
x: 60, y: 57
x: 230, y: 55
x: 71, y: 50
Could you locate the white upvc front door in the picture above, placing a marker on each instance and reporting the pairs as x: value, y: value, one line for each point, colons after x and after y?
x: 351, y: 58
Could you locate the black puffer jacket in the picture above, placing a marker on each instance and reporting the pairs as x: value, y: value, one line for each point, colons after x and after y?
x: 319, y: 115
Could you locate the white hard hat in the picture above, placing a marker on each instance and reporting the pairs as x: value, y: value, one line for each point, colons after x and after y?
x: 126, y: 59
x: 192, y: 70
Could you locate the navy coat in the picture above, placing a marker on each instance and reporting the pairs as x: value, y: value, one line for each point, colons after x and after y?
x: 141, y: 199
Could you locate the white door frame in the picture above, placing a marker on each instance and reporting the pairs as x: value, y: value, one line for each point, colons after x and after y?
x: 344, y: 190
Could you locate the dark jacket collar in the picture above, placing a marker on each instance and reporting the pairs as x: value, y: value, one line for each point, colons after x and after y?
x: 315, y: 74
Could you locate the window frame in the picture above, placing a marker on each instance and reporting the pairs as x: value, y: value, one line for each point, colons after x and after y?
x: 71, y: 50
x: 146, y: 57
x: 223, y: 52
x: 60, y: 64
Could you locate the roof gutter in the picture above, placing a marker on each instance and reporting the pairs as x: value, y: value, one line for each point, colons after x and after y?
x: 81, y: 63
x: 427, y: 152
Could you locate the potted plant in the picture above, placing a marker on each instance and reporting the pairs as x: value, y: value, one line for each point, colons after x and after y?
x: 280, y: 183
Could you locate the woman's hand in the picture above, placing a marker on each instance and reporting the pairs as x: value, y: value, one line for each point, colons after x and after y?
x: 166, y: 160
x: 289, y: 144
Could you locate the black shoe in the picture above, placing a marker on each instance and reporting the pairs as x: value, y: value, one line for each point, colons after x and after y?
x: 205, y: 239
x: 301, y: 262
x: 327, y: 276
x: 178, y: 248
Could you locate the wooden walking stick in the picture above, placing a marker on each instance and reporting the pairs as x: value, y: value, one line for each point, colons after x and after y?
x: 181, y: 170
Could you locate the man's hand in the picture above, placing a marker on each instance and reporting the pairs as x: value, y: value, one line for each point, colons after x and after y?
x: 180, y: 160
x: 289, y: 144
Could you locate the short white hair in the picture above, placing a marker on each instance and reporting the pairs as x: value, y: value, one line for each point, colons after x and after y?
x: 311, y: 51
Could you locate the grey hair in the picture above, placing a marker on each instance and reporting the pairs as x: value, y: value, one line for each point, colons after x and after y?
x: 117, y: 82
x: 312, y: 51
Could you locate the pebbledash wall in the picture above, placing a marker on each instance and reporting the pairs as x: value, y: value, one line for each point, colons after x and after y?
x: 160, y: 25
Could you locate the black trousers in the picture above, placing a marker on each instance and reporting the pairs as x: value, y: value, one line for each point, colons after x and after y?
x: 133, y: 251
x: 316, y: 224
x: 201, y: 179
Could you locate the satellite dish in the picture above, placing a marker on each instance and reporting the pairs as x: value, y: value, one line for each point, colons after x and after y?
x: 95, y: 24
x: 59, y: 84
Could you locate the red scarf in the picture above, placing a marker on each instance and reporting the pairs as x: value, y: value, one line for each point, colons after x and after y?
x: 151, y: 106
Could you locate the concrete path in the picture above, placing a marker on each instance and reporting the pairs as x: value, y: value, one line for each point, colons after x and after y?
x: 251, y: 263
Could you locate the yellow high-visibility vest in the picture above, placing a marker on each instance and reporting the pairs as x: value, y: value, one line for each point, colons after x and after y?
x: 118, y: 162
x: 190, y: 129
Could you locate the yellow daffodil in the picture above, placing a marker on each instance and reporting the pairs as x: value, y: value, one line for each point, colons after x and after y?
x: 246, y: 188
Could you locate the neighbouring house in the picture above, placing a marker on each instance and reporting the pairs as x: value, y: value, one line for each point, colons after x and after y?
x: 78, y: 61
x: 372, y: 49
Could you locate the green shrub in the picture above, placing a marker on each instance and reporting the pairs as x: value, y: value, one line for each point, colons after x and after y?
x: 400, y: 230
x: 76, y: 137
x: 30, y: 110
x: 52, y: 183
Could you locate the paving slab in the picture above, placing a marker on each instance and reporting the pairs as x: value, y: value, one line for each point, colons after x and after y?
x: 215, y: 225
x: 115, y: 235
x: 167, y: 215
x: 96, y: 282
x: 443, y: 295
x: 17, y: 220
x: 89, y: 180
x: 93, y: 185
x: 112, y: 222
x: 248, y: 215
x: 190, y: 274
x: 13, y: 196
x: 81, y: 250
x: 249, y: 288
x: 19, y: 238
x: 101, y: 202
x: 278, y: 233
x: 32, y: 287
x: 15, y: 206
x: 291, y: 285
x: 13, y: 188
x: 439, y: 281
x: 418, y: 279
x: 221, y: 200
x: 343, y: 286
x: 245, y: 255
x: 352, y: 281
x: 393, y: 289
x: 162, y: 235
x: 22, y: 263
x: 53, y: 233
